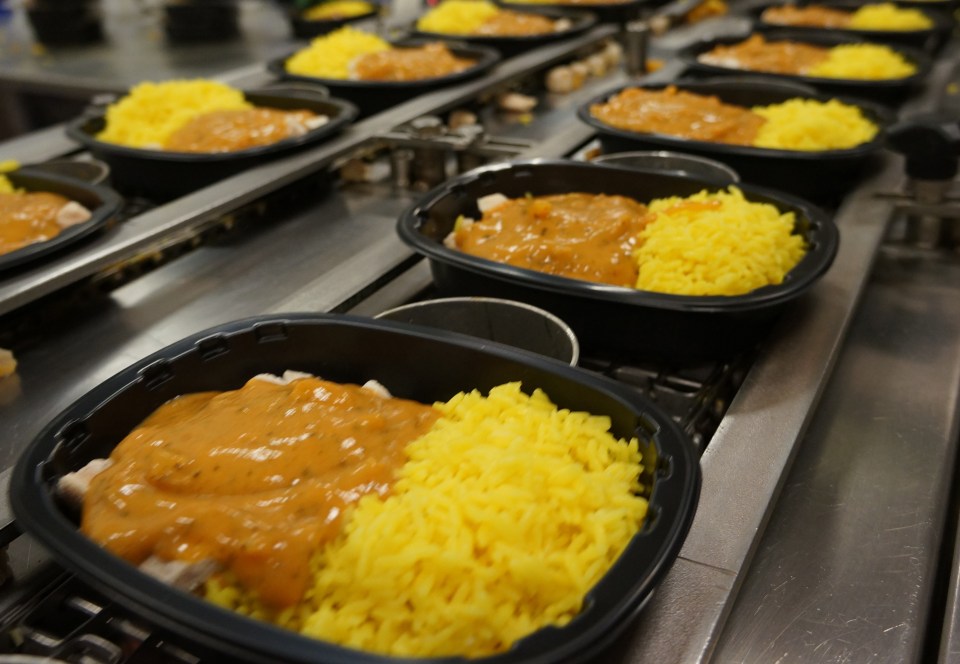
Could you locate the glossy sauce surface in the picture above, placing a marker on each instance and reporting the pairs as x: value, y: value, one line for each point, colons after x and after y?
x: 813, y: 16
x: 226, y: 131
x: 679, y: 113
x: 256, y: 478
x: 26, y: 218
x: 506, y: 23
x: 755, y: 53
x: 409, y: 64
x: 581, y: 236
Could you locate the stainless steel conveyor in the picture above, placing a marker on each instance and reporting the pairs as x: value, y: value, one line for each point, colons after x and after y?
x: 827, y: 486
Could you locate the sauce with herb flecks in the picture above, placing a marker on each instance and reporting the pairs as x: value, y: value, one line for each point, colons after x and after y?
x: 256, y: 478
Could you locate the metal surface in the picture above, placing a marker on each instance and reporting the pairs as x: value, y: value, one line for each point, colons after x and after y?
x: 845, y: 570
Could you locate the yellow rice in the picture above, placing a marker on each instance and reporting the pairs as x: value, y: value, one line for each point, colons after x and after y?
x: 506, y: 513
x: 887, y: 16
x: 866, y: 61
x: 7, y: 165
x: 728, y: 248
x: 338, y: 9
x: 151, y: 112
x: 330, y: 56
x: 807, y: 124
x: 457, y: 17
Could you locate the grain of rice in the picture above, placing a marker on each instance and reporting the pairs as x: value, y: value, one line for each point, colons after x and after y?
x: 808, y: 124
x: 716, y: 244
x: 329, y: 56
x: 863, y: 61
x: 887, y: 16
x: 337, y: 9
x: 457, y: 17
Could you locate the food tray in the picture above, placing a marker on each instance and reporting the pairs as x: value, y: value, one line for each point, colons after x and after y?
x: 304, y: 28
x: 606, y: 12
x: 610, y: 320
x: 102, y: 202
x: 508, y: 46
x: 350, y: 349
x: 888, y: 91
x: 162, y: 175
x: 928, y: 37
x: 820, y: 176
x: 375, y: 96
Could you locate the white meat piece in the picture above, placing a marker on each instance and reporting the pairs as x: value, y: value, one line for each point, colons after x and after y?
x: 179, y: 574
x: 72, y: 214
x: 516, y: 102
x: 720, y: 61
x: 450, y: 242
x: 73, y: 486
x: 377, y: 388
x: 287, y: 377
x: 562, y: 25
x: 561, y: 80
x: 491, y: 201
x: 298, y: 127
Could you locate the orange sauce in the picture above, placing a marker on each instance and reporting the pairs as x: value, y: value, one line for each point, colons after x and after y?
x: 26, y: 218
x: 813, y: 16
x: 409, y: 64
x: 757, y: 54
x: 678, y: 113
x: 581, y: 236
x: 256, y: 478
x: 226, y: 131
x: 506, y: 23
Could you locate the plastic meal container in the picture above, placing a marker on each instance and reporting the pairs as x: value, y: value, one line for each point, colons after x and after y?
x: 375, y: 96
x: 887, y: 91
x: 608, y: 319
x: 606, y: 12
x: 821, y: 175
x: 102, y: 202
x: 305, y: 28
x: 164, y: 174
x: 410, y: 361
x: 580, y: 22
x: 942, y: 25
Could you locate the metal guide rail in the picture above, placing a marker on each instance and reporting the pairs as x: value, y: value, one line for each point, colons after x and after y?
x: 337, y: 252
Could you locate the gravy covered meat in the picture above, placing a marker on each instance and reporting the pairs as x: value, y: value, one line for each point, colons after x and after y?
x: 227, y: 131
x: 580, y: 236
x: 756, y: 53
x: 29, y: 217
x: 254, y: 479
x: 409, y: 64
x: 679, y: 113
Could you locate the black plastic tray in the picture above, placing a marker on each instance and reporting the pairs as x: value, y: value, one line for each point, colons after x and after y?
x: 888, y: 91
x: 375, y: 96
x: 606, y: 12
x: 820, y: 176
x: 304, y: 28
x: 607, y: 319
x: 102, y: 202
x: 928, y: 37
x: 508, y: 46
x: 408, y: 361
x: 163, y: 174
x: 201, y: 20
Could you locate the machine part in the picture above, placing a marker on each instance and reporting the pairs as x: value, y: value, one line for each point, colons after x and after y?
x: 636, y: 39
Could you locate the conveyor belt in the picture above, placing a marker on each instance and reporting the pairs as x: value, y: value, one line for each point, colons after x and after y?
x: 339, y: 252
